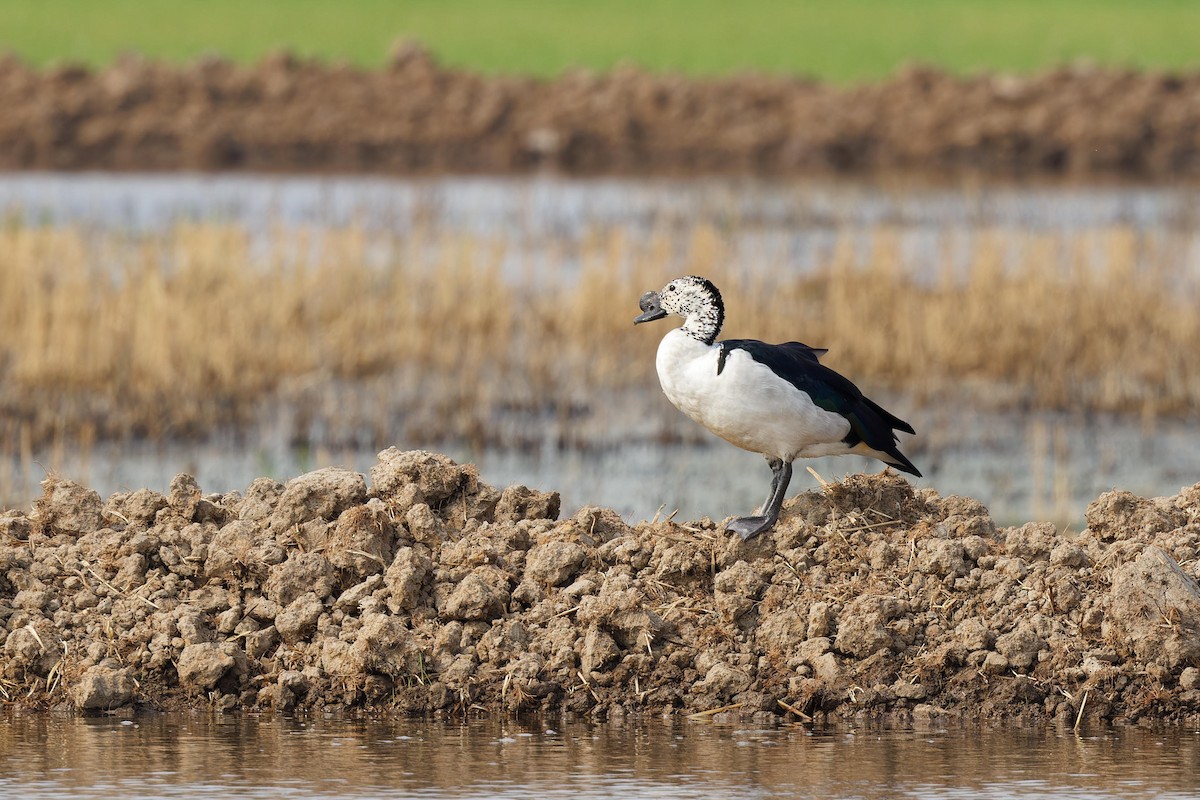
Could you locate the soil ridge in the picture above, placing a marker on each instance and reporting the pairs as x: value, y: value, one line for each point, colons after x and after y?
x: 416, y: 117
x: 420, y: 589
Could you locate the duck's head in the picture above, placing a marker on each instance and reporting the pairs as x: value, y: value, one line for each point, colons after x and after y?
x: 694, y: 298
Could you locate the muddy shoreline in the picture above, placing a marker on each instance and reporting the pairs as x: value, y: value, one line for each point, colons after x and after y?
x: 416, y: 117
x: 425, y: 591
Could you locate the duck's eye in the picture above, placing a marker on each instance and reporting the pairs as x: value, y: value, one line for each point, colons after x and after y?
x: 670, y: 287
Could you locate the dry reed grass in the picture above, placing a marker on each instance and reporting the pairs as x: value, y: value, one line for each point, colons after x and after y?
x: 1100, y: 321
x: 104, y: 335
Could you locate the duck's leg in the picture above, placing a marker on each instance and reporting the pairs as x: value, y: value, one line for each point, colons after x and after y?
x: 748, y: 527
x: 776, y: 474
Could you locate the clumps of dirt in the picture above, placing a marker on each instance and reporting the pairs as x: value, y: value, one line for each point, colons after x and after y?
x: 413, y: 117
x: 426, y: 591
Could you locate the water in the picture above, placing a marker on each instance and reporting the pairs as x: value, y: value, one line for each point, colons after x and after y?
x: 548, y: 207
x: 1044, y: 467
x: 195, y: 756
x: 791, y: 225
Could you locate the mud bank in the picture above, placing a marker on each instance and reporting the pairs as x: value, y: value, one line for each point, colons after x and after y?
x: 415, y: 117
x: 428, y: 591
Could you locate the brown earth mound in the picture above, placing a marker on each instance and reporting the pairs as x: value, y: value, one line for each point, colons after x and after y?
x: 414, y: 116
x: 430, y: 591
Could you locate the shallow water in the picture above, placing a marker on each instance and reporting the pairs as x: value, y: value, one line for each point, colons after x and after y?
x: 548, y: 206
x: 155, y: 756
x: 1022, y: 467
x: 772, y: 225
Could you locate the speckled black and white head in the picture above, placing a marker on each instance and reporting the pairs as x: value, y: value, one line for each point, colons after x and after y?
x: 693, y: 298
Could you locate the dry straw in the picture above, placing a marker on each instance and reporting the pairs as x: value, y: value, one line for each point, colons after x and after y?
x: 432, y: 336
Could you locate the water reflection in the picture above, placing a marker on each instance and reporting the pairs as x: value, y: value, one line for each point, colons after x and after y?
x: 248, y: 756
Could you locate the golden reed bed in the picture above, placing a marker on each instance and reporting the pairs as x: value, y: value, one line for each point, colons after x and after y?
x: 177, y: 334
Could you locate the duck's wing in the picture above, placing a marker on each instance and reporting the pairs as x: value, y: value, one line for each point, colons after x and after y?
x: 782, y: 353
x: 798, y: 364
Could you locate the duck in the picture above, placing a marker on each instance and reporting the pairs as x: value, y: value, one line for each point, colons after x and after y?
x: 777, y: 400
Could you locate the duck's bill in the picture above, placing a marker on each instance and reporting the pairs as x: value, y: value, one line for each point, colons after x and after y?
x: 649, y: 316
x: 651, y: 308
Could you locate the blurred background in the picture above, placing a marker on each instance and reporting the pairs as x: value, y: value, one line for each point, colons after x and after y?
x: 244, y: 239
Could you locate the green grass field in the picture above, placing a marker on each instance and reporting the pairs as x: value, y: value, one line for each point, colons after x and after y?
x: 841, y: 41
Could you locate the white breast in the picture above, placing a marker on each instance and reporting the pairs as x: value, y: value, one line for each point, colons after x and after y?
x: 746, y: 404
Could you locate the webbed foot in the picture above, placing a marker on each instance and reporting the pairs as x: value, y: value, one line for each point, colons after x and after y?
x: 749, y: 527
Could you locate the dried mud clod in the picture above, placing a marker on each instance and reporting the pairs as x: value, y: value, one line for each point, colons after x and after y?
x: 425, y: 590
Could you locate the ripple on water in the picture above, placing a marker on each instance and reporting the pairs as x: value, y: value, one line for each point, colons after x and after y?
x: 48, y: 758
